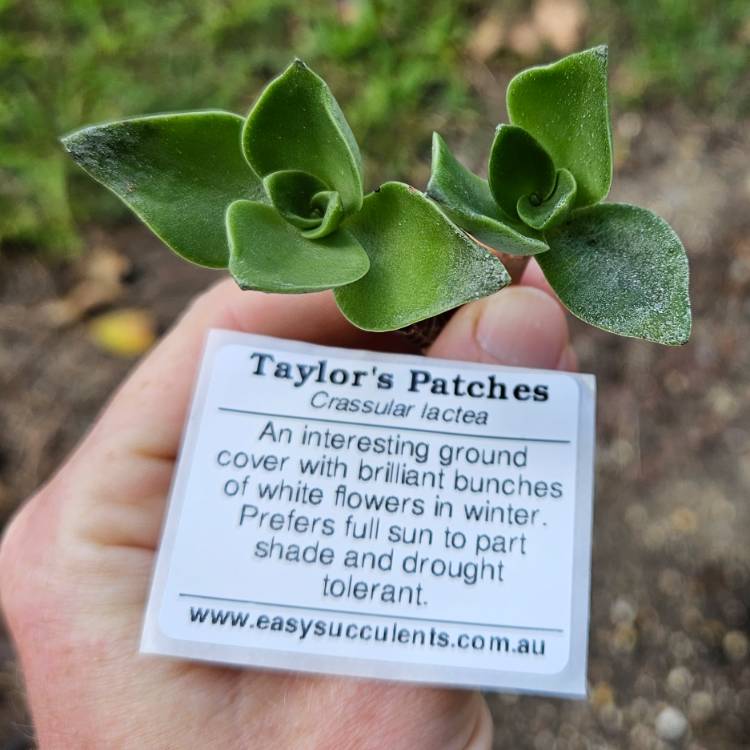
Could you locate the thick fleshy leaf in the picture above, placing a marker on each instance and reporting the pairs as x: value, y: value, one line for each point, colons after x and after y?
x: 565, y: 107
x: 304, y: 202
x: 421, y: 264
x: 623, y: 269
x: 177, y: 172
x: 328, y: 204
x: 550, y: 212
x: 270, y: 255
x: 467, y: 200
x: 291, y: 192
x: 518, y: 166
x: 297, y: 124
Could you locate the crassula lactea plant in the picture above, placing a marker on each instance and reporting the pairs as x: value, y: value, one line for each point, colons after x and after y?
x: 278, y: 199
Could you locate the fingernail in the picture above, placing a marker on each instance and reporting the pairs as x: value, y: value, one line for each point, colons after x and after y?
x: 522, y: 326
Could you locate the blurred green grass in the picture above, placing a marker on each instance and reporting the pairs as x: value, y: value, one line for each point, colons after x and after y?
x: 400, y: 69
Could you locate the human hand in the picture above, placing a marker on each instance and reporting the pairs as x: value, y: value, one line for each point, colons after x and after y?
x: 76, y: 561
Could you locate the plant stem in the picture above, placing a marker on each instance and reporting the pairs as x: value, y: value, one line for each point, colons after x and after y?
x: 515, y: 265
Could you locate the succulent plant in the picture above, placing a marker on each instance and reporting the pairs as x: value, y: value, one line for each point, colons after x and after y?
x: 277, y: 198
x: 615, y: 266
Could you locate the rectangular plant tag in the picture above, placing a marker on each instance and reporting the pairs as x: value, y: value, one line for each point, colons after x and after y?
x: 380, y: 515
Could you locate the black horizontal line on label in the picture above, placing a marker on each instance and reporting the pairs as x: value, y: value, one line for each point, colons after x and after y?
x: 371, y: 614
x: 392, y: 427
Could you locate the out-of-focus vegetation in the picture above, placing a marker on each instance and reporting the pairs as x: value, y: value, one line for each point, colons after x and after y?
x: 400, y: 70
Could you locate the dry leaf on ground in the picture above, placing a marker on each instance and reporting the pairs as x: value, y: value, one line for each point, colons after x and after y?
x: 560, y: 23
x: 124, y: 333
x: 487, y: 38
x: 101, y: 273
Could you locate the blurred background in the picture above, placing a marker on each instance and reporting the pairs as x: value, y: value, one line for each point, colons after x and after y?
x: 84, y: 290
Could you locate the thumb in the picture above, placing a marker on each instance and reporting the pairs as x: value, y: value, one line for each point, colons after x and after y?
x: 520, y: 326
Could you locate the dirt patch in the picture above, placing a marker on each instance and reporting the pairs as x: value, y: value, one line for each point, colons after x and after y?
x: 671, y: 560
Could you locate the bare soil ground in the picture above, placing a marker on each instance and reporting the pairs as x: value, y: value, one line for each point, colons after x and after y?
x: 671, y: 561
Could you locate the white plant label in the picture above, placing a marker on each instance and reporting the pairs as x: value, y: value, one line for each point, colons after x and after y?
x: 380, y: 515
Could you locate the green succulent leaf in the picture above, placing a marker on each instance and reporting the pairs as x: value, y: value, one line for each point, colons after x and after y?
x: 328, y: 203
x: 623, y: 269
x: 291, y: 192
x: 421, y: 264
x: 565, y: 107
x: 269, y: 254
x: 177, y: 173
x: 296, y: 124
x: 518, y: 166
x: 467, y: 200
x: 304, y: 202
x: 550, y: 212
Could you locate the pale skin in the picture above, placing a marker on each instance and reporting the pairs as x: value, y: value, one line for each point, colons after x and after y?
x: 76, y: 561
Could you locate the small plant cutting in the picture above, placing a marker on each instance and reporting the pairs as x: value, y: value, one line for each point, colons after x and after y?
x: 278, y: 199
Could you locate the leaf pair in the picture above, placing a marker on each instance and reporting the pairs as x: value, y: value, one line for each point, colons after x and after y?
x: 277, y: 198
x: 618, y: 267
x: 291, y: 171
x: 299, y: 144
